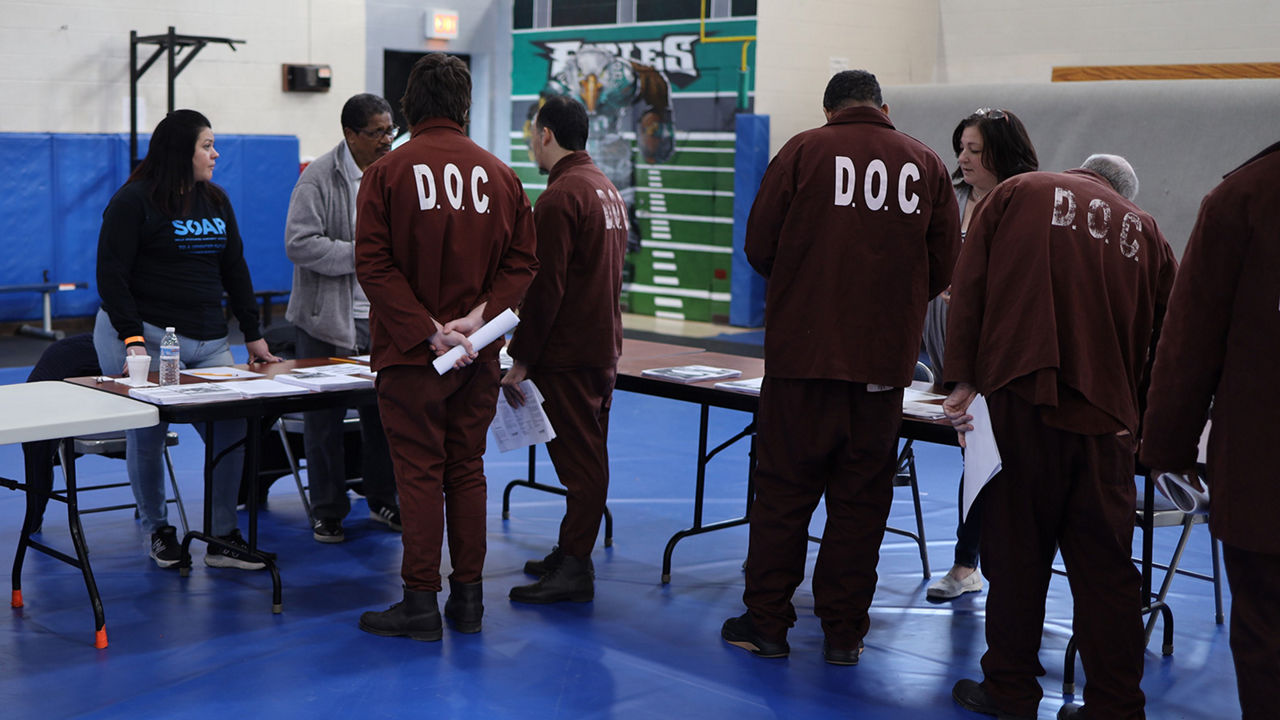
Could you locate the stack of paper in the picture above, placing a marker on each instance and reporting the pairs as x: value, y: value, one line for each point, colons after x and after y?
x: 325, y: 381
x: 1186, y: 492
x: 221, y: 373
x: 526, y: 425
x: 691, y: 373
x: 920, y: 404
x: 746, y: 386
x: 263, y: 388
x: 190, y: 393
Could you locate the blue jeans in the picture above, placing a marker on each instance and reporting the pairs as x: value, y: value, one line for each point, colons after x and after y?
x: 144, y: 455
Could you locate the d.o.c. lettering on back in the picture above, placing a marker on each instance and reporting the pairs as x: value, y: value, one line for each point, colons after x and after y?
x: 453, y: 188
x: 1098, y: 220
x: 875, y: 184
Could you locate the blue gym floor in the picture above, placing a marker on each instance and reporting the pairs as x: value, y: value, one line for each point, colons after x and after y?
x: 209, y: 646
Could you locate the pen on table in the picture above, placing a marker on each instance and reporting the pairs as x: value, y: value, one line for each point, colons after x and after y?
x: 205, y: 374
x: 346, y: 360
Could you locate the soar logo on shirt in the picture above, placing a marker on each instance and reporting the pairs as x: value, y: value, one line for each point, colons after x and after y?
x: 200, y: 236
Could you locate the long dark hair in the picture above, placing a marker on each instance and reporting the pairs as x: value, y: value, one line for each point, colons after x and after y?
x: 167, y: 168
x: 1006, y: 146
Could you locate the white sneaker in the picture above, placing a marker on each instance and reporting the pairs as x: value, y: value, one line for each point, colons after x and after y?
x: 947, y: 587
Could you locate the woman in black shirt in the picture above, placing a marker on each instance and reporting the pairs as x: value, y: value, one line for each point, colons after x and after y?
x: 168, y: 249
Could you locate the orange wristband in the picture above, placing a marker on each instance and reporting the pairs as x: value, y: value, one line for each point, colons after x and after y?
x: 135, y: 339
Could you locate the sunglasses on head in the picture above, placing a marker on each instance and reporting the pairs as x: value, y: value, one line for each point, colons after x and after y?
x: 991, y: 113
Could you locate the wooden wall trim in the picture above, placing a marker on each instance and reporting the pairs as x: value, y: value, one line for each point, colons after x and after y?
x: 1204, y: 71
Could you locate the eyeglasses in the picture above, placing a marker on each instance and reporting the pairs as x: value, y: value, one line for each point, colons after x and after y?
x: 991, y: 113
x: 377, y: 133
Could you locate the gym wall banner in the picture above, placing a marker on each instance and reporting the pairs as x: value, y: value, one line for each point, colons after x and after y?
x: 662, y: 104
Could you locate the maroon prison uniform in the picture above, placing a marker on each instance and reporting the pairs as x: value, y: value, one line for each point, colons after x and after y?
x: 442, y: 226
x: 1056, y: 296
x: 570, y: 333
x: 1221, y: 345
x: 855, y: 226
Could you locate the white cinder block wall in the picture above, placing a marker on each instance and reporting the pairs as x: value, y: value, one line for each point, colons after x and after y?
x: 908, y: 42
x: 64, y: 65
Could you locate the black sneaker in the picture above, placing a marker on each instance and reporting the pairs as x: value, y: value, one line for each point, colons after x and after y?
x: 740, y: 631
x: 327, y: 531
x: 166, y: 549
x: 233, y: 557
x: 388, y: 515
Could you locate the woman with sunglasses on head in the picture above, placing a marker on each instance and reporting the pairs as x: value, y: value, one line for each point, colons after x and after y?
x: 168, y: 249
x: 991, y: 145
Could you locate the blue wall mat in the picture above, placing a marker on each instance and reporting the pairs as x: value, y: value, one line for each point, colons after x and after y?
x: 751, y: 157
x: 26, y: 220
x: 86, y: 174
x: 268, y: 167
x: 53, y: 189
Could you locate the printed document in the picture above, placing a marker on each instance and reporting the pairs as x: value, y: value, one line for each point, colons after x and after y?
x: 514, y: 428
x: 981, y: 456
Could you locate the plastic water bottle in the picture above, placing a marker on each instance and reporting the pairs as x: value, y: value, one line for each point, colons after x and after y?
x: 169, y: 353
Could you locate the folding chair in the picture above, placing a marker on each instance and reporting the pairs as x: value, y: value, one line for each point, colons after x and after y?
x: 906, y: 477
x: 1155, y: 511
x: 291, y: 424
x: 112, y: 445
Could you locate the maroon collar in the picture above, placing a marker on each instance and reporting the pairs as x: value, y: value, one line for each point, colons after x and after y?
x: 860, y: 114
x: 574, y: 159
x: 433, y: 123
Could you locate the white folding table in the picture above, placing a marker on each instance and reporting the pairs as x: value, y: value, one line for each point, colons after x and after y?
x: 59, y: 411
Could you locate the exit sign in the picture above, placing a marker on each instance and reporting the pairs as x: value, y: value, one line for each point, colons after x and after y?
x: 442, y: 24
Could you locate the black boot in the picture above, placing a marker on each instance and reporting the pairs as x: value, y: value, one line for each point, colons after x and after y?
x: 538, y: 568
x: 465, y: 606
x: 417, y: 616
x: 571, y: 579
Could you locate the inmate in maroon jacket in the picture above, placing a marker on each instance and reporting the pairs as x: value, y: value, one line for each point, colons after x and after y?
x: 1061, y: 281
x: 1221, y: 343
x: 856, y: 227
x: 441, y: 226
x: 571, y: 317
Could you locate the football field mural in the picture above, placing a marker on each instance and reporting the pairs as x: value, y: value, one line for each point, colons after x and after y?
x: 662, y: 104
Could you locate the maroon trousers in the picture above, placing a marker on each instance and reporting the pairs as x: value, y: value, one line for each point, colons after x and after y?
x: 819, y: 437
x: 1255, y: 629
x: 577, y: 404
x: 436, y: 427
x: 1060, y: 490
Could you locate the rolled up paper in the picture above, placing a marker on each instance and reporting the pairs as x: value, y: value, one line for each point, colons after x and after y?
x: 1182, y: 491
x: 500, y: 325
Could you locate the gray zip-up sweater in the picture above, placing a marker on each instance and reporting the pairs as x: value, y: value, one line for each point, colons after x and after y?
x: 320, y: 241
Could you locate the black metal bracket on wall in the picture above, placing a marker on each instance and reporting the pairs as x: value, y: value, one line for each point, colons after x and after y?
x: 171, y: 44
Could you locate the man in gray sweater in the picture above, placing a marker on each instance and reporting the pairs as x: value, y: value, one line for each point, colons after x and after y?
x: 331, y: 312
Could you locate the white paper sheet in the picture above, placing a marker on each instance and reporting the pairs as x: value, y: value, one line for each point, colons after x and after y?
x: 500, y: 325
x: 514, y: 428
x: 981, y: 455
x: 222, y: 372
x: 1184, y: 492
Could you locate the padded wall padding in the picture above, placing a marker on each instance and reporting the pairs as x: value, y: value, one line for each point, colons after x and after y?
x: 54, y: 187
x: 267, y: 171
x: 750, y: 159
x: 86, y: 173
x: 26, y: 219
